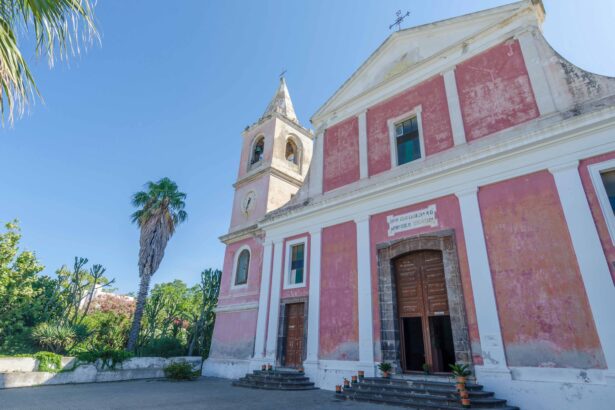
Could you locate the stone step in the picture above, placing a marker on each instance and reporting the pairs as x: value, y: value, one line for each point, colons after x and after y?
x: 412, y: 403
x: 277, y: 377
x: 427, y: 398
x: 273, y: 386
x: 437, y: 391
x: 419, y: 383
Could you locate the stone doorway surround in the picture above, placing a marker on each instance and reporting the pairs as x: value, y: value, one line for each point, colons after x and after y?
x: 282, y: 328
x: 443, y: 241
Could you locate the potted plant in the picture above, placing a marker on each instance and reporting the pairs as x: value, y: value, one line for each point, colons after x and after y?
x: 269, y: 368
x: 385, y: 368
x: 461, y: 372
x: 361, y: 374
x: 354, y: 379
x: 346, y: 383
x: 263, y: 367
x: 338, y: 388
x: 426, y: 368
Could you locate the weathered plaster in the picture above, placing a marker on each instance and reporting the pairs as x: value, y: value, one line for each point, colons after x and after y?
x: 437, y: 132
x: 341, y: 154
x: 603, y: 232
x: 339, y: 319
x: 233, y: 335
x: 495, y: 91
x: 544, y: 313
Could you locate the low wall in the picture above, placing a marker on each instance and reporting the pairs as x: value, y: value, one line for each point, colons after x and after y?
x: 12, y: 373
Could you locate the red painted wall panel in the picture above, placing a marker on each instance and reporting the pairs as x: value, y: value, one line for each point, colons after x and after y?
x: 341, y: 154
x: 234, y: 334
x: 594, y: 204
x: 339, y: 319
x: 543, y: 308
x: 449, y: 217
x: 495, y: 92
x: 437, y: 132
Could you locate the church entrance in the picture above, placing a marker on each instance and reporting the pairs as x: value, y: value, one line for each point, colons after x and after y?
x: 293, y: 356
x: 424, y: 319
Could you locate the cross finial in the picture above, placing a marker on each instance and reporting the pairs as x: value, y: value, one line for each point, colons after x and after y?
x: 399, y: 20
x: 282, y: 74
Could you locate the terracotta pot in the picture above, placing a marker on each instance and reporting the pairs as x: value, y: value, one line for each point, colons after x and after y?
x: 361, y: 374
x: 465, y: 403
x: 269, y: 367
x: 264, y: 367
x: 338, y: 388
x: 354, y: 379
x: 460, y: 379
x: 301, y: 369
x: 464, y: 394
x: 385, y: 375
x: 346, y: 383
x: 460, y: 386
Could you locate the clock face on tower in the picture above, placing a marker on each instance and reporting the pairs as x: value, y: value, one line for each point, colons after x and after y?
x: 248, y: 203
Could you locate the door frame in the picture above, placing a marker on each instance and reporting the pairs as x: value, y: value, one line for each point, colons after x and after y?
x: 283, y: 328
x: 390, y: 335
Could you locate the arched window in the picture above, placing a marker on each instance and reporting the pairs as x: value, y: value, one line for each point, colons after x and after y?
x: 292, y: 154
x: 241, y: 272
x: 258, y: 150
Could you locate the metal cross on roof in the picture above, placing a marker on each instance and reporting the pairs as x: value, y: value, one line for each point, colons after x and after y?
x: 282, y: 73
x: 399, y: 20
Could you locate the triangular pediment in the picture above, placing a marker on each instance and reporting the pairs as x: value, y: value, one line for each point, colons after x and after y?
x: 404, y: 49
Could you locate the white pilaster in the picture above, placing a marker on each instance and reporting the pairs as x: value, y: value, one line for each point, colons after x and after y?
x: 363, y: 144
x: 492, y: 347
x: 454, y: 108
x: 315, y: 183
x: 261, y: 321
x: 274, y: 303
x: 366, y: 339
x: 590, y: 256
x: 536, y: 72
x: 314, y: 298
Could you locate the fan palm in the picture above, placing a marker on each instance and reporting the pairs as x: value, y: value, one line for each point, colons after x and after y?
x: 161, y: 210
x: 59, y: 26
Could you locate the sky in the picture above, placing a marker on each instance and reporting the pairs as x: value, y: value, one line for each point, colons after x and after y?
x: 168, y: 92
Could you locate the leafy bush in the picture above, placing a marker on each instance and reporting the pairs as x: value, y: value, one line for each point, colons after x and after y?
x: 163, y: 347
x: 107, y: 330
x: 48, y: 362
x: 54, y: 336
x: 109, y: 358
x: 181, y: 370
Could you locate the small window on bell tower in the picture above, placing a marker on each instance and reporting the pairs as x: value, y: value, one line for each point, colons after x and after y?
x: 291, y: 152
x: 258, y: 150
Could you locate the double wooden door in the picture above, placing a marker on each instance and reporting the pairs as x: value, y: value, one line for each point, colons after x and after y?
x: 293, y: 356
x: 424, y: 320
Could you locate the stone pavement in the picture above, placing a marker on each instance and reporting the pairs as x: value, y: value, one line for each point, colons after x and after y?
x: 204, y: 393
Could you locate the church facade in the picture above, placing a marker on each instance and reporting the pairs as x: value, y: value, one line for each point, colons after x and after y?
x: 455, y: 203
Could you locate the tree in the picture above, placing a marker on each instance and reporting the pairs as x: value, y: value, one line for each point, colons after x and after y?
x: 161, y: 210
x: 203, y: 327
x: 59, y: 27
x: 20, y: 289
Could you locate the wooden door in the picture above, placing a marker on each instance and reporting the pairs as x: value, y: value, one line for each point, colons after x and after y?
x: 421, y: 294
x: 293, y: 356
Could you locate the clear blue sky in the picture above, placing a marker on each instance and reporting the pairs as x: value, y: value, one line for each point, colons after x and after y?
x: 168, y: 94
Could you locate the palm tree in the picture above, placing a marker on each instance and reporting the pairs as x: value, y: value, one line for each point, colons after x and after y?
x: 161, y: 210
x: 59, y: 27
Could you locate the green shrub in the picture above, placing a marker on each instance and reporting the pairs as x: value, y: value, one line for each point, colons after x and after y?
x: 109, y: 358
x: 48, y: 362
x: 57, y: 337
x: 181, y: 370
x: 163, y: 347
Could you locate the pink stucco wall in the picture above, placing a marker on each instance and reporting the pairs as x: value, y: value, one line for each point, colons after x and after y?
x: 341, y: 154
x: 302, y: 291
x: 603, y: 232
x: 339, y: 320
x: 495, y: 92
x: 543, y: 308
x: 230, y: 296
x: 449, y: 217
x: 437, y: 133
x: 261, y: 188
x: 234, y: 334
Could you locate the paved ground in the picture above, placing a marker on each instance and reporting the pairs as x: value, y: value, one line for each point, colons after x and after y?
x: 205, y: 393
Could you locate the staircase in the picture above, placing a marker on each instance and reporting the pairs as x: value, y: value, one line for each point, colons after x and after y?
x: 420, y: 393
x: 278, y: 379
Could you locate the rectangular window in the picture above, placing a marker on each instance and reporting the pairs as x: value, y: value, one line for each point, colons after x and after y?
x: 297, y: 264
x: 608, y: 179
x: 408, y: 142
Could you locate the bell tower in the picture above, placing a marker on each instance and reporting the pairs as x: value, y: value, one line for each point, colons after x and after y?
x: 275, y: 158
